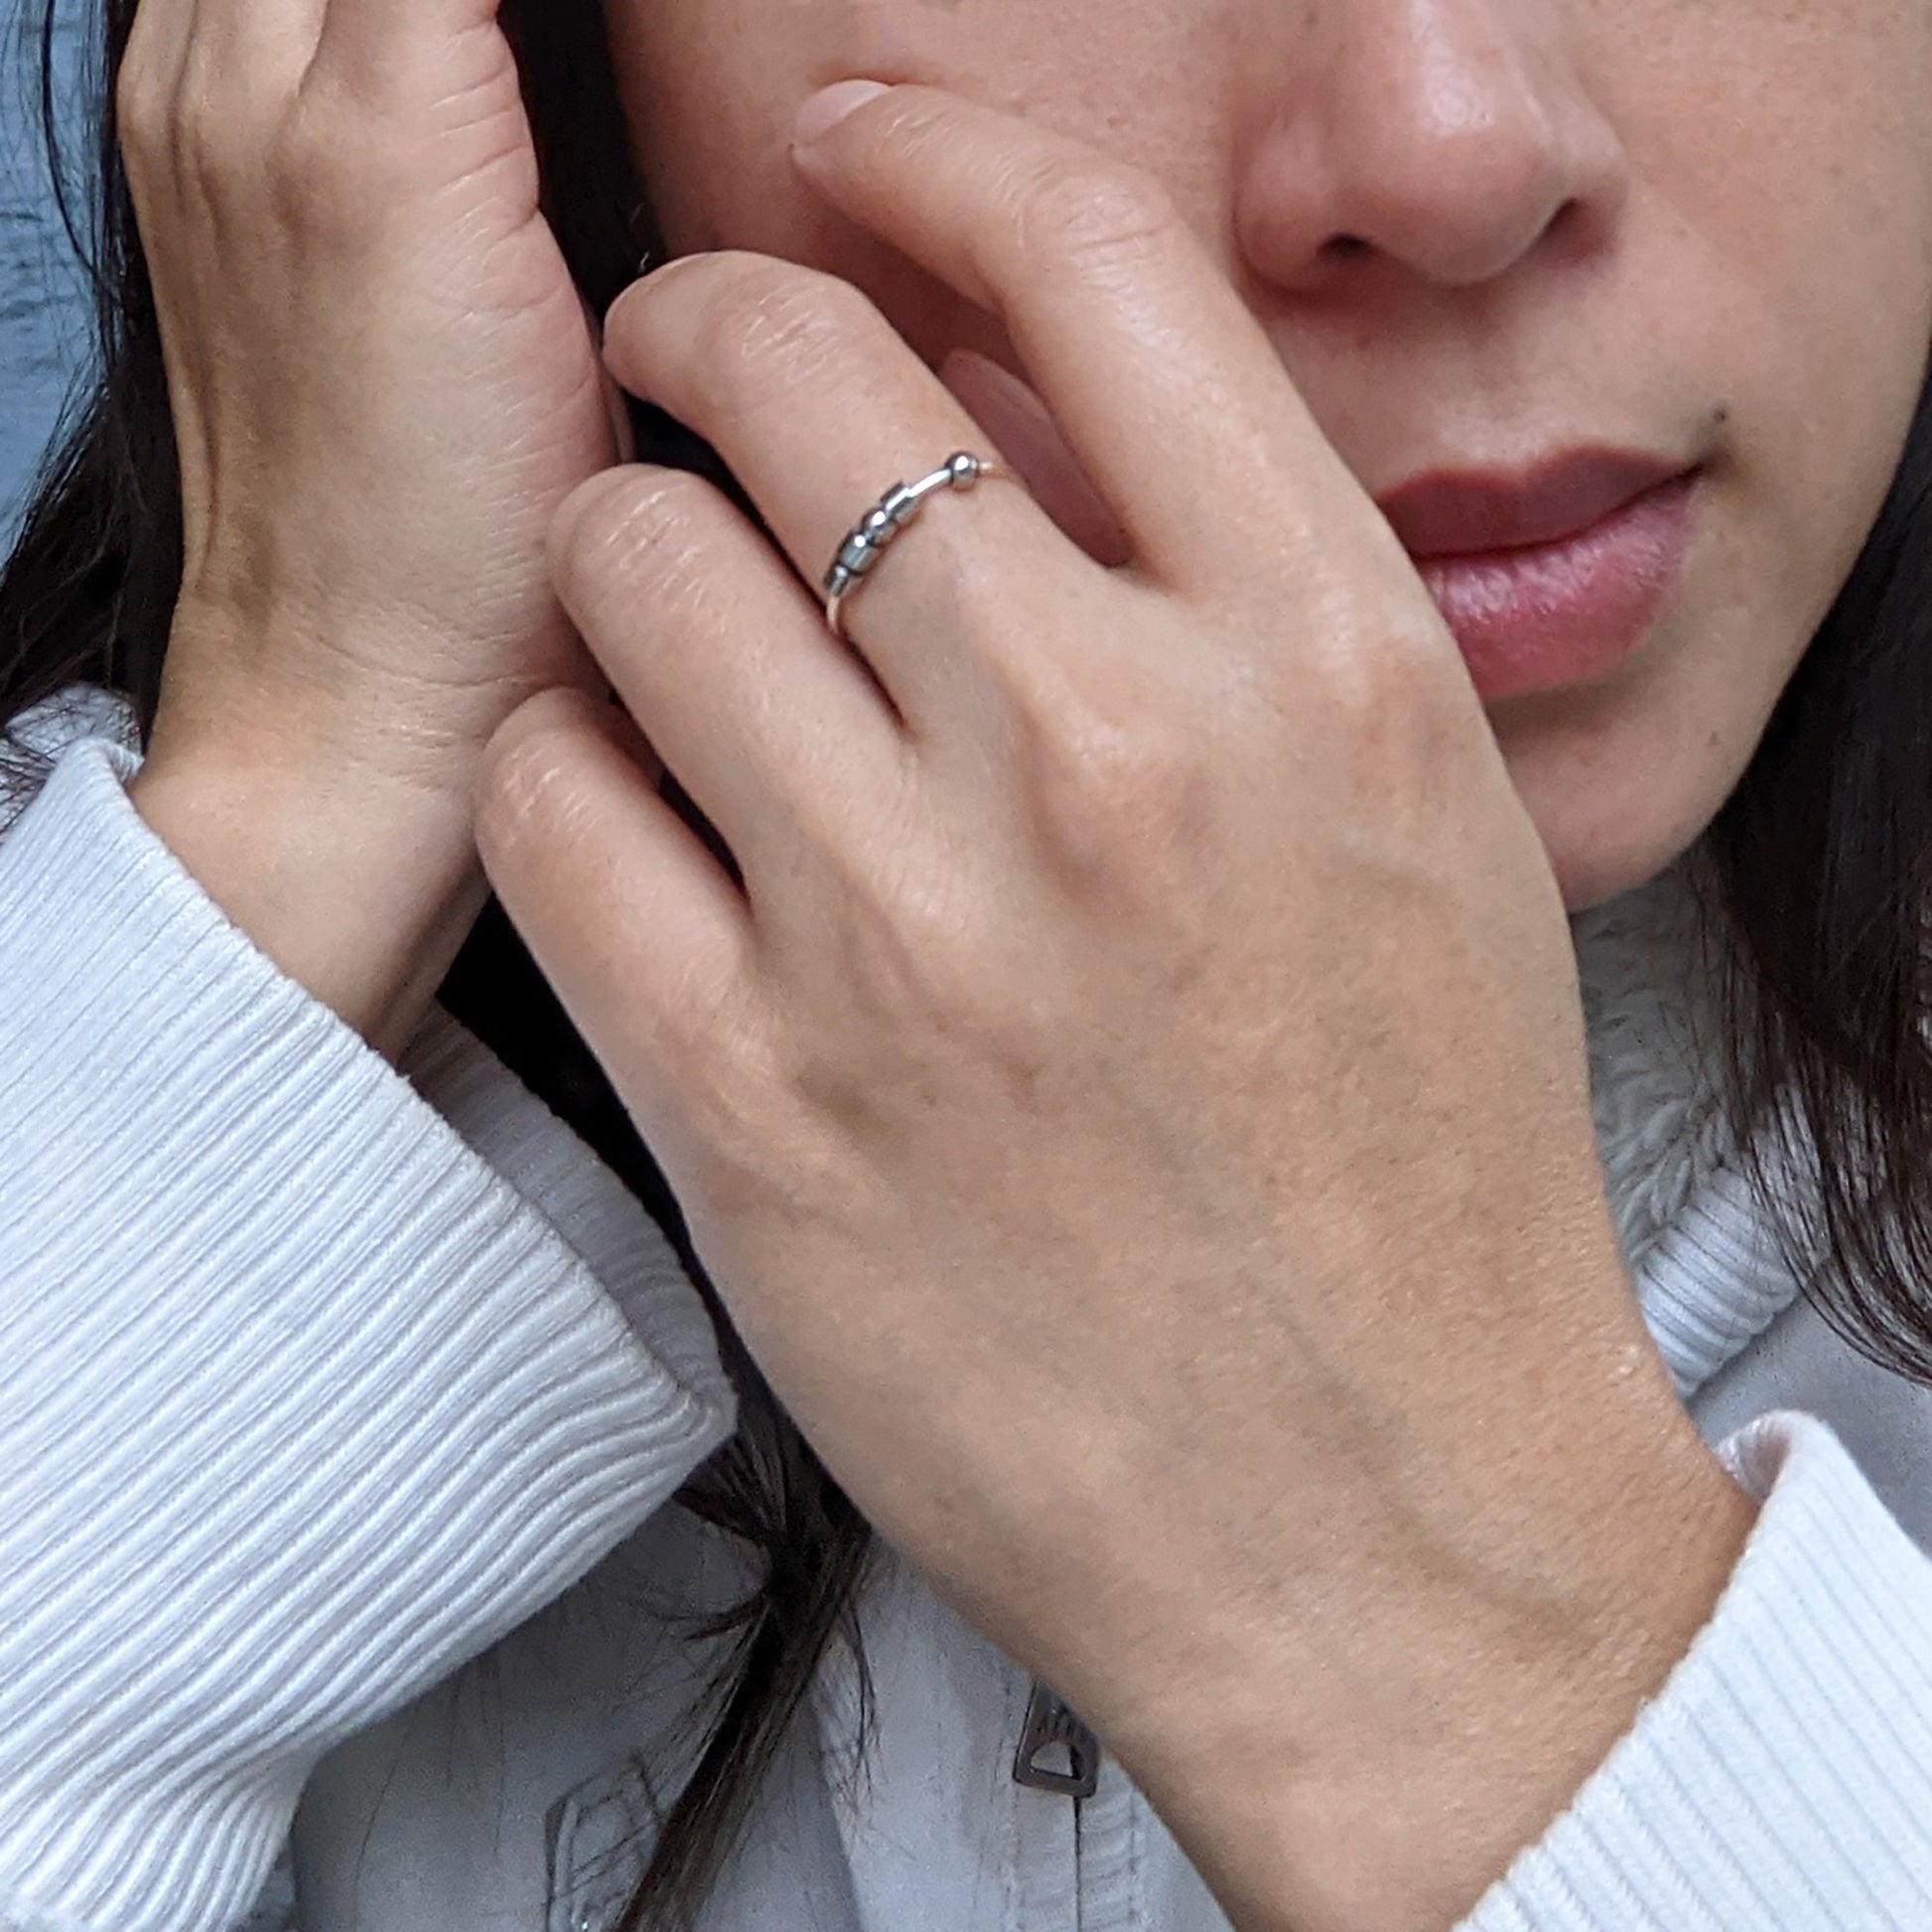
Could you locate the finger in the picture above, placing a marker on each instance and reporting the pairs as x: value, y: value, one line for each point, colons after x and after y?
x: 643, y: 934
x: 1019, y: 423
x: 1145, y: 353
x: 771, y: 725
x: 818, y: 406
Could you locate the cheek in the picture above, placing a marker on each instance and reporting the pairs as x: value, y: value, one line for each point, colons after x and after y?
x: 709, y: 89
x: 1620, y: 779
x: 1617, y: 790
x: 1805, y: 282
x: 1800, y: 282
x: 710, y: 127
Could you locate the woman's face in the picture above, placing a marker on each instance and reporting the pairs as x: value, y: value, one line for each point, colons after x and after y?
x: 1700, y: 229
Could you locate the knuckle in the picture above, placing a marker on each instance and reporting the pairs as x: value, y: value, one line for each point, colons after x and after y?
x: 1390, y: 725
x: 333, y: 168
x: 526, y: 778
x: 916, y: 952
x: 142, y: 113
x: 1120, y: 788
x: 1106, y: 729
x: 211, y: 133
x: 934, y: 974
x: 632, y: 530
x: 754, y: 1147
x: 186, y: 132
x: 315, y: 178
x: 1073, y: 208
x: 214, y: 158
x: 1123, y: 773
x: 782, y: 328
x: 1375, y: 686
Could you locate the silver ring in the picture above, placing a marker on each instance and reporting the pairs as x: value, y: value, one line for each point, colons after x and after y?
x: 874, y: 532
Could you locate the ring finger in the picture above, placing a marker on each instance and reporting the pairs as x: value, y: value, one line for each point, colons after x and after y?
x: 817, y: 406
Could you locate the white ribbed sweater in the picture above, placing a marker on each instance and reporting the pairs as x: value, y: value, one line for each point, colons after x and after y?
x: 318, y: 1378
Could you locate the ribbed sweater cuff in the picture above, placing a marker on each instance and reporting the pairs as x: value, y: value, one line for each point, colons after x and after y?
x: 1782, y: 1778
x: 302, y: 1401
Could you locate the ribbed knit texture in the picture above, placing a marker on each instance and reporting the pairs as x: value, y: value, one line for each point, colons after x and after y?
x: 301, y: 1402
x: 316, y: 1379
x: 1709, y: 1276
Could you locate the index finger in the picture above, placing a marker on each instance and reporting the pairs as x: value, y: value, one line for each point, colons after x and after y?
x: 1163, y: 382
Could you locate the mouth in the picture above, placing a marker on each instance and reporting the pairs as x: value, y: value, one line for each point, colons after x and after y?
x: 1546, y: 577
x: 1472, y: 512
x: 1539, y: 615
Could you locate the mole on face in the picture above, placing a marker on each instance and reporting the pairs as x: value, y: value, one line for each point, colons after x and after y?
x: 1475, y: 235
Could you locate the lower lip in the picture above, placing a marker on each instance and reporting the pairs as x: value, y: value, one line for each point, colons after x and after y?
x: 1556, y: 614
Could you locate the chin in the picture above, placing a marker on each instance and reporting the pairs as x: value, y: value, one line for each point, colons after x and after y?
x: 1613, y: 815
x: 1591, y: 879
x: 1597, y: 859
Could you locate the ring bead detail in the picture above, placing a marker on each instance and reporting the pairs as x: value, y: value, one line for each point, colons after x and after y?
x: 874, y: 533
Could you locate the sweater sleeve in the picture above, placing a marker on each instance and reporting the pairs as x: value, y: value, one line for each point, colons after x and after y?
x: 1782, y: 1777
x: 317, y: 1376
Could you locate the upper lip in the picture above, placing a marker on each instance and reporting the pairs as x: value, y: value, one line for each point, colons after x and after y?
x: 1464, y: 512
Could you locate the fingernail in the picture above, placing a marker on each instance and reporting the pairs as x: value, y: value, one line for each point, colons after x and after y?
x: 825, y: 109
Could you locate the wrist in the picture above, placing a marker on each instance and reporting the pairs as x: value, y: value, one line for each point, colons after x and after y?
x: 1393, y: 1788
x: 360, y: 888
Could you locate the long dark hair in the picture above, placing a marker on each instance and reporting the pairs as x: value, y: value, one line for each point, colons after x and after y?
x: 1818, y: 876
x: 88, y: 594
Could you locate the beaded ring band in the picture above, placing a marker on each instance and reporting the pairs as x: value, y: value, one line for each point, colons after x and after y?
x: 869, y: 537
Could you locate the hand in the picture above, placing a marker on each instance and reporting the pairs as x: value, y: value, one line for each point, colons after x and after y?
x: 1136, y: 1109
x: 382, y: 383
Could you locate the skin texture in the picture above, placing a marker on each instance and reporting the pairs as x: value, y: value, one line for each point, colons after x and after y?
x: 1137, y: 1109
x: 1178, y: 1056
x: 377, y: 423
x: 1555, y: 242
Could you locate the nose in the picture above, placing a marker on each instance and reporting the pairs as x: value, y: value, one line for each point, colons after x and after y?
x: 1447, y: 136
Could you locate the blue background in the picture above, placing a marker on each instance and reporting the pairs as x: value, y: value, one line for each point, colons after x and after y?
x: 43, y: 323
